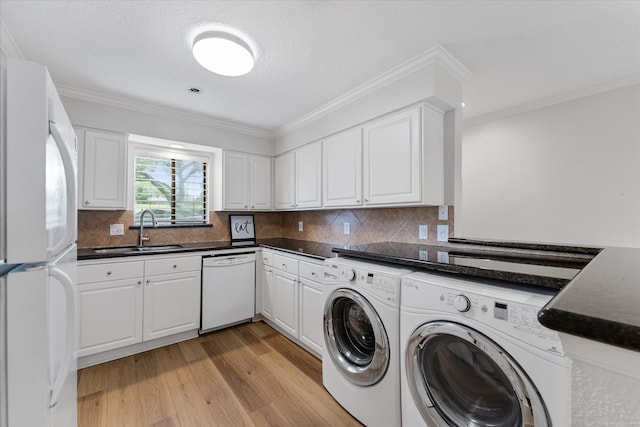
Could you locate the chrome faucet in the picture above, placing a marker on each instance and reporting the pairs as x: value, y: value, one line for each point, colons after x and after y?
x: 154, y: 221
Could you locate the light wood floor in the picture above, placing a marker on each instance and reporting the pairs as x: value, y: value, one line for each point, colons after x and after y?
x: 248, y: 375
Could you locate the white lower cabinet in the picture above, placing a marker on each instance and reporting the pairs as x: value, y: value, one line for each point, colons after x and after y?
x: 292, y: 297
x: 311, y: 313
x: 267, y: 292
x: 285, y: 312
x: 128, y: 302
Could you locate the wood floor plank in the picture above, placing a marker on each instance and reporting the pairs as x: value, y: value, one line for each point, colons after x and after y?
x: 248, y: 375
x: 123, y: 396
x: 224, y: 405
x: 92, y: 409
x: 93, y: 379
x: 155, y: 398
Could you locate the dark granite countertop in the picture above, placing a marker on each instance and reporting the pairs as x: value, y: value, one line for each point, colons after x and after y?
x: 298, y: 247
x: 603, y: 302
x: 550, y: 267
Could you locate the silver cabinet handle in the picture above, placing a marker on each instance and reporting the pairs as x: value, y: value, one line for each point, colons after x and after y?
x: 86, y: 202
x: 139, y: 282
x: 357, y: 201
x: 366, y: 200
x: 148, y: 282
x: 175, y: 265
x: 108, y: 273
x: 245, y: 206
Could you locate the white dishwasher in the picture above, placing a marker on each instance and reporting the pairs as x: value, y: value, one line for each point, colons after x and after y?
x: 228, y: 290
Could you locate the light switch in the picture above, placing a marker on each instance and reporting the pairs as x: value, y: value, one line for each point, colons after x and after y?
x: 443, y: 233
x: 116, y: 229
x: 443, y: 213
x: 300, y: 226
x: 347, y: 228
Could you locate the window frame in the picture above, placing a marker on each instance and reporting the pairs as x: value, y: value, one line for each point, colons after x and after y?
x: 149, y: 150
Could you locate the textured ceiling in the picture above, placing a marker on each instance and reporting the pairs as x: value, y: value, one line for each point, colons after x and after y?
x: 310, y: 52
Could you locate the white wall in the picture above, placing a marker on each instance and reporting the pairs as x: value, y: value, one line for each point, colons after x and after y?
x: 567, y: 173
x: 100, y: 116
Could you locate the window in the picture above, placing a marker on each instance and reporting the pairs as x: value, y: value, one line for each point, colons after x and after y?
x: 173, y: 185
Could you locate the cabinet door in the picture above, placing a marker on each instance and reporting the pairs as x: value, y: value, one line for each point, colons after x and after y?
x: 236, y: 172
x: 342, y: 169
x: 392, y: 159
x: 171, y: 304
x: 267, y: 292
x: 260, y: 183
x: 285, y: 310
x: 284, y: 181
x: 110, y: 315
x: 309, y: 176
x: 104, y: 170
x: 311, y: 314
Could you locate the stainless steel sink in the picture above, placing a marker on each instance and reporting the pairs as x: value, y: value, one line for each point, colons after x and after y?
x: 136, y: 249
x: 159, y: 248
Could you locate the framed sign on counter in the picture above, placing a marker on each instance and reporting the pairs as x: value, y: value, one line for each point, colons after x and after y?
x: 242, y: 229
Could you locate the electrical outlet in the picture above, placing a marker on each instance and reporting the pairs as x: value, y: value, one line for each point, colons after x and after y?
x: 443, y: 233
x: 443, y: 213
x: 300, y: 226
x: 424, y: 255
x: 423, y: 232
x: 443, y: 257
x: 347, y: 228
x: 116, y: 229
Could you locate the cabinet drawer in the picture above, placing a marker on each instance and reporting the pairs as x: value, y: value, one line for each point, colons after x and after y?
x: 267, y: 258
x: 284, y: 263
x: 172, y: 265
x: 311, y: 271
x: 110, y: 271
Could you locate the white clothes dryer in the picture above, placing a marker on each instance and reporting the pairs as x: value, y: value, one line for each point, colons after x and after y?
x: 474, y: 354
x: 361, y: 353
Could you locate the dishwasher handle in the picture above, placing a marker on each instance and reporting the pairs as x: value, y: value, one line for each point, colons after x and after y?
x: 224, y: 261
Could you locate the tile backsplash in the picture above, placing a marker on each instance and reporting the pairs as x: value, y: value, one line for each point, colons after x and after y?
x: 326, y: 226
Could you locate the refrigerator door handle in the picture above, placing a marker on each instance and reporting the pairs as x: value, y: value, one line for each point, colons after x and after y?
x: 70, y: 178
x: 70, y: 345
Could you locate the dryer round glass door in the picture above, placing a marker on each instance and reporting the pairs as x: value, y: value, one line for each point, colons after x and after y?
x: 460, y: 377
x: 355, y: 337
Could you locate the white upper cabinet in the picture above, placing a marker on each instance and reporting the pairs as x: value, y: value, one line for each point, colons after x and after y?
x: 284, y: 182
x: 392, y: 159
x: 308, y: 174
x: 342, y: 169
x: 298, y: 178
x: 246, y: 182
x: 259, y: 183
x: 102, y: 170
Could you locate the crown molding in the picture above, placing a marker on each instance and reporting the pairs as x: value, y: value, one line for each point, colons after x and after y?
x: 143, y: 107
x: 8, y: 44
x: 552, y: 100
x: 437, y: 54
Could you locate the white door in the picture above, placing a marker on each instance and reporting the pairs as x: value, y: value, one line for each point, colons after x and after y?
x: 284, y: 181
x: 235, y: 181
x: 41, y: 158
x: 285, y: 311
x: 171, y: 304
x: 267, y: 292
x: 309, y: 176
x: 111, y: 314
x: 260, y: 183
x: 392, y: 159
x: 104, y: 170
x: 311, y: 312
x: 342, y: 169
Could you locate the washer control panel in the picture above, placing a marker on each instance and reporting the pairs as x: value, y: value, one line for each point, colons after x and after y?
x: 513, y: 312
x: 385, y: 287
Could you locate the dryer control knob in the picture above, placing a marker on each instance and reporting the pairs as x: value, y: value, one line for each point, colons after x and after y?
x: 350, y: 275
x: 461, y: 303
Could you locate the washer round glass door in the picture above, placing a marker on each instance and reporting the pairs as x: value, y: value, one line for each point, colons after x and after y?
x: 355, y: 337
x: 459, y: 377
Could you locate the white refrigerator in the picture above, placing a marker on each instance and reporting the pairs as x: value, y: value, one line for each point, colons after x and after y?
x: 38, y: 231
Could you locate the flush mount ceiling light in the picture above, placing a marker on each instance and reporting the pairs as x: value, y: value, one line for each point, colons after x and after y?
x: 223, y: 53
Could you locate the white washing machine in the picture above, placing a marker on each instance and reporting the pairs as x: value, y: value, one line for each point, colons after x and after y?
x: 361, y: 355
x: 474, y: 354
